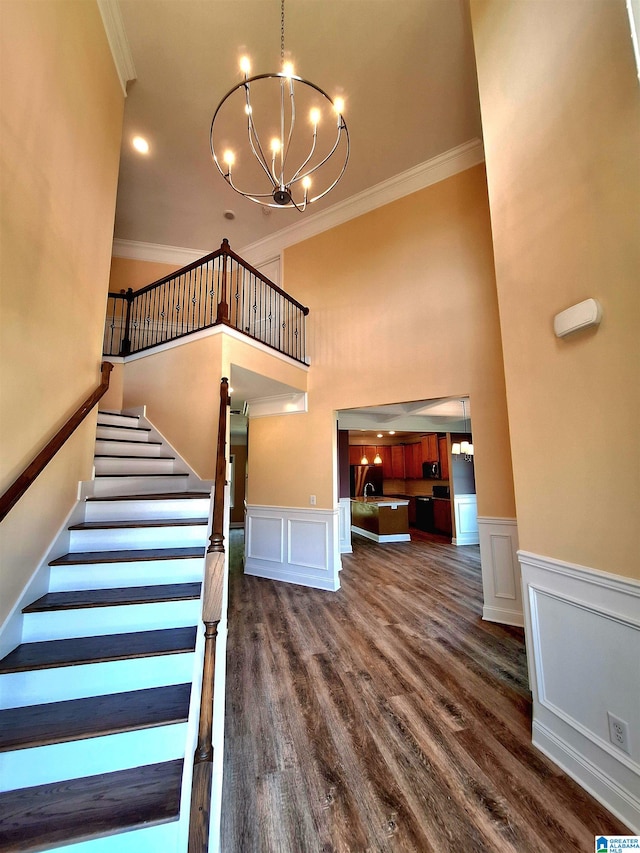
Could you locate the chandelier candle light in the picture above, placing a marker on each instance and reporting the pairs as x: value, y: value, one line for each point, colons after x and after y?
x: 303, y: 161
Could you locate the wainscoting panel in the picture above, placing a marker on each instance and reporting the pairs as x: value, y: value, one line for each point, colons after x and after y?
x: 500, y: 570
x: 583, y: 644
x: 344, y: 508
x: 294, y: 545
x: 465, y: 508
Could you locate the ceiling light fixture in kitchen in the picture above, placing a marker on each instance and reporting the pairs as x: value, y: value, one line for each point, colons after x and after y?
x: 463, y: 448
x: 303, y: 161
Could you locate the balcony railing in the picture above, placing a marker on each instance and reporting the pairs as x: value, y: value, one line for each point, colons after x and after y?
x: 220, y: 288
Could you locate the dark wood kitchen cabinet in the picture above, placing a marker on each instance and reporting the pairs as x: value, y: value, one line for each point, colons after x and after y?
x: 413, y: 461
x: 397, y: 462
x: 442, y: 516
x: 387, y: 465
x: 429, y: 445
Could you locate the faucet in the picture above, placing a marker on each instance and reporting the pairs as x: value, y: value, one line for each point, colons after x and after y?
x: 365, y: 488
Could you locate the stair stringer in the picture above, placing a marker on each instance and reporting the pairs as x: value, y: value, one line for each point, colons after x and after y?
x: 168, y: 837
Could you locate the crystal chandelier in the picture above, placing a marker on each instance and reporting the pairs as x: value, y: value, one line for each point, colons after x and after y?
x: 308, y: 146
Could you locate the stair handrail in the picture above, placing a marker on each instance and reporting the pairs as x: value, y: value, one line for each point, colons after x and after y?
x: 211, y: 615
x: 20, y: 485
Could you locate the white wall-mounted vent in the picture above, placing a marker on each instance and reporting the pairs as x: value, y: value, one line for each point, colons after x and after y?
x: 580, y: 316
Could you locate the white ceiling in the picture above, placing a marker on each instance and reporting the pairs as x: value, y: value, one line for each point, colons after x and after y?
x: 405, y: 67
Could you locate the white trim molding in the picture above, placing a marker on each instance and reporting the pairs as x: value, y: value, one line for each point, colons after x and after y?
x: 269, y: 249
x: 293, y: 544
x: 465, y: 510
x: 500, y: 570
x: 344, y: 510
x: 583, y: 649
x: 118, y: 41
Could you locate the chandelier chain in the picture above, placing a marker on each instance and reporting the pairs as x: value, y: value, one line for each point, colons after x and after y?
x: 282, y: 30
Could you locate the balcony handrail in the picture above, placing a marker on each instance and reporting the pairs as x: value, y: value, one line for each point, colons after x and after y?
x: 20, y: 485
x: 219, y: 288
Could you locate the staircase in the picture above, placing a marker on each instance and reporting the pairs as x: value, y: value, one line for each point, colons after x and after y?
x: 98, y: 723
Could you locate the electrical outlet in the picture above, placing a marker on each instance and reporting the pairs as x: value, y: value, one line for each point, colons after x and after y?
x: 312, y: 500
x: 619, y: 733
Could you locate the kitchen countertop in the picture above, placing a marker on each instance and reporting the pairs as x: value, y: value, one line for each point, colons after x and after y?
x: 381, y: 501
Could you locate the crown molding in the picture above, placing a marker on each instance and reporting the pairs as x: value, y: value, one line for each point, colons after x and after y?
x: 118, y: 41
x: 174, y: 255
x: 424, y: 175
x: 419, y: 177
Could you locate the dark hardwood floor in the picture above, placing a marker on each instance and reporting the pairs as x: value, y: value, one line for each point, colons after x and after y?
x: 387, y: 717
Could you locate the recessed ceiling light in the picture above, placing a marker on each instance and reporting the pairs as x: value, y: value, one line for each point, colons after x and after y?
x: 229, y: 214
x: 379, y: 435
x: 140, y: 144
x: 392, y: 432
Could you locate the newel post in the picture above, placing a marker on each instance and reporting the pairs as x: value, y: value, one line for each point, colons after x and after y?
x: 125, y: 349
x: 216, y: 540
x: 223, y: 304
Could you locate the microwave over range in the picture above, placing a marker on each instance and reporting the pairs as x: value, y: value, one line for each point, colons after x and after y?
x: 431, y: 471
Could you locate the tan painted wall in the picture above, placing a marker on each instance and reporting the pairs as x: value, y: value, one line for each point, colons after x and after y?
x: 402, y: 307
x: 561, y: 114
x: 60, y: 126
x: 128, y: 272
x: 181, y: 389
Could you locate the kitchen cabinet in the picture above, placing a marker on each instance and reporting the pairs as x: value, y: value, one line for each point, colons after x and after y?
x: 444, y: 457
x: 429, y: 445
x: 385, y: 455
x: 413, y: 461
x: 397, y: 462
x: 355, y: 454
x: 442, y: 516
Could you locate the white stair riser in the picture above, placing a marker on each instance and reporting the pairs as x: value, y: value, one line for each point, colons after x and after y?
x: 127, y: 448
x: 101, y: 621
x: 126, y: 465
x: 136, y: 538
x: 106, y: 486
x: 124, y: 510
x: 151, y: 839
x: 43, y: 765
x: 114, y: 575
x: 116, y: 419
x: 57, y: 684
x: 121, y: 433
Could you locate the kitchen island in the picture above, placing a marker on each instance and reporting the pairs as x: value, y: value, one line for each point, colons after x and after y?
x: 381, y: 519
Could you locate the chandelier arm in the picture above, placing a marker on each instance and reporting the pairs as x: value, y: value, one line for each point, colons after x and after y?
x: 315, y: 168
x: 296, y: 174
x: 292, y: 124
x: 252, y: 132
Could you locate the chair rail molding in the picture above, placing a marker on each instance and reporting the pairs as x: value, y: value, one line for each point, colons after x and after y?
x: 293, y: 544
x: 500, y: 570
x: 583, y: 647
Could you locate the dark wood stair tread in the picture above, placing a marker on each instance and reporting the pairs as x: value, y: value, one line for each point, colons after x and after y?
x: 79, y: 809
x: 77, y: 599
x: 142, y: 522
x: 127, y: 556
x: 129, y: 441
x: 156, y: 496
x: 123, y: 426
x: 83, y: 650
x: 123, y: 458
x: 141, y: 474
x: 75, y: 719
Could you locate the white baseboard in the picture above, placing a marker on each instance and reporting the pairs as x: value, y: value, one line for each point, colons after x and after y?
x: 501, y: 585
x: 294, y: 545
x: 583, y: 648
x: 503, y: 616
x: 381, y: 537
